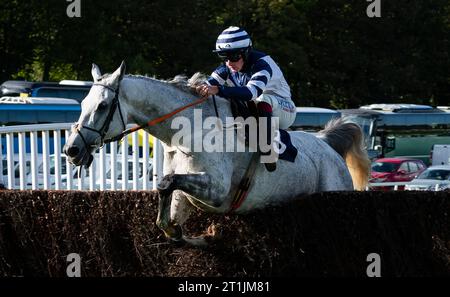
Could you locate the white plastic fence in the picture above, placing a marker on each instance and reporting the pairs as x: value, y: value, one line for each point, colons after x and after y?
x: 396, y: 185
x: 33, y: 170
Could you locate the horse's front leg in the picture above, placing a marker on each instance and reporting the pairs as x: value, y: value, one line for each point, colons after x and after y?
x: 198, y: 185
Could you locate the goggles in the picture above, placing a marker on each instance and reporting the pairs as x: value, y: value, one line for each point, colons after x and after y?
x: 230, y: 56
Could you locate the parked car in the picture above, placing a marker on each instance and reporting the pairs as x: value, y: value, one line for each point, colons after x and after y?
x: 395, y: 170
x: 435, y: 178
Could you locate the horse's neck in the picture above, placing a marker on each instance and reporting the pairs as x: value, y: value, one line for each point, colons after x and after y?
x: 147, y: 99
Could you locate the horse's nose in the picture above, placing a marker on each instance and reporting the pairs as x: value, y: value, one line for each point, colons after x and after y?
x: 72, y: 151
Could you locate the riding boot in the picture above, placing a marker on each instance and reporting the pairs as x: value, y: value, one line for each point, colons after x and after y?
x: 265, y: 110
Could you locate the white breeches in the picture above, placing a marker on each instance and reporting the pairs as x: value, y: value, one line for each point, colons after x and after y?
x: 282, y: 108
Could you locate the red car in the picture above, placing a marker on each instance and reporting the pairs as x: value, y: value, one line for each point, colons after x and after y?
x: 395, y: 170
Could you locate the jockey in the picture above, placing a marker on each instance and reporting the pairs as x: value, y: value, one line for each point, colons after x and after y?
x: 247, y: 74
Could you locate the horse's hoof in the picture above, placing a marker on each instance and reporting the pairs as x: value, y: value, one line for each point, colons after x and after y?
x: 174, y: 232
x: 177, y: 242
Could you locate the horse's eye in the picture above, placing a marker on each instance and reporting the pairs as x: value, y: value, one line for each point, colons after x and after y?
x: 102, y: 106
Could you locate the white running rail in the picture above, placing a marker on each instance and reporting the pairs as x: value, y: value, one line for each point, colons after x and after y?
x: 396, y: 185
x: 26, y: 162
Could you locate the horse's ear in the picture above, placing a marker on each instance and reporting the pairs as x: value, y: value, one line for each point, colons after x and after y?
x: 120, y: 72
x: 96, y: 74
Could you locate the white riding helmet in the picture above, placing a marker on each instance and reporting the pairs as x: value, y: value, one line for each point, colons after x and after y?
x: 233, y: 39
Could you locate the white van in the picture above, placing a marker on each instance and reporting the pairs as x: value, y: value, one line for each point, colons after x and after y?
x: 440, y: 154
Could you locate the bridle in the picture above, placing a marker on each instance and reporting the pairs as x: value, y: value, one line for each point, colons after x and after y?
x: 115, y: 104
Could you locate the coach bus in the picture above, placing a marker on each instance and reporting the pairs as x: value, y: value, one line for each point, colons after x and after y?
x: 401, y: 130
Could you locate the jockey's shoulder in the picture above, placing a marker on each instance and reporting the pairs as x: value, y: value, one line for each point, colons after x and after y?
x: 255, y: 55
x: 258, y: 60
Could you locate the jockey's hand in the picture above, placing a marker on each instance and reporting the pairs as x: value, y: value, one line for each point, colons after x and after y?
x: 206, y: 90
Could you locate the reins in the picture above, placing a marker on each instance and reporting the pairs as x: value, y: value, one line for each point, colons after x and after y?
x: 156, y: 121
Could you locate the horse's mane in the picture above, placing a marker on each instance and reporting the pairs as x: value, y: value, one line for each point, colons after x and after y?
x: 188, y: 85
x: 180, y: 81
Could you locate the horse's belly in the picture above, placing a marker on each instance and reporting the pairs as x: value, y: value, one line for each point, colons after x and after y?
x: 286, y: 183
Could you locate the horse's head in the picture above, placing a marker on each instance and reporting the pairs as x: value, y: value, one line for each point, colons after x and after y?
x: 101, y: 117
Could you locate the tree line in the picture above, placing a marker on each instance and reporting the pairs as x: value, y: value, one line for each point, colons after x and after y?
x: 331, y: 52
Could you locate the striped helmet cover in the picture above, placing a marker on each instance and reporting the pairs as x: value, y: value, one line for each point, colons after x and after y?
x: 233, y: 38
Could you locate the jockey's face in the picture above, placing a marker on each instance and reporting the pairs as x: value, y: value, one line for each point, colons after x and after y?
x: 235, y: 66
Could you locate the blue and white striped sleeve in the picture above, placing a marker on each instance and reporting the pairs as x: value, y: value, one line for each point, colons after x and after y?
x: 261, y: 75
x: 218, y: 77
x: 255, y: 86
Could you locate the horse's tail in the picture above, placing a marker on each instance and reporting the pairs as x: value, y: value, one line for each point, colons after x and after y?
x: 347, y: 139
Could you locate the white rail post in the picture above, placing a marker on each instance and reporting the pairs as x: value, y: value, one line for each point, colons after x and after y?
x: 57, y: 158
x: 92, y: 177
x: 69, y: 166
x: 145, y: 160
x: 46, y: 159
x: 124, y: 160
x: 81, y: 173
x: 10, y: 159
x: 113, y: 165
x: 102, y: 165
x: 135, y: 155
x: 22, y: 161
x: 34, y: 160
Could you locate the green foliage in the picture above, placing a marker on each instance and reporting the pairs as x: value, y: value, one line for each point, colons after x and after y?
x: 331, y: 53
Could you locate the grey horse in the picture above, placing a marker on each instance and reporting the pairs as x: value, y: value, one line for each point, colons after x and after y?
x: 334, y: 160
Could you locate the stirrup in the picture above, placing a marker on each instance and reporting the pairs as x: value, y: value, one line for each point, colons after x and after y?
x: 271, y: 166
